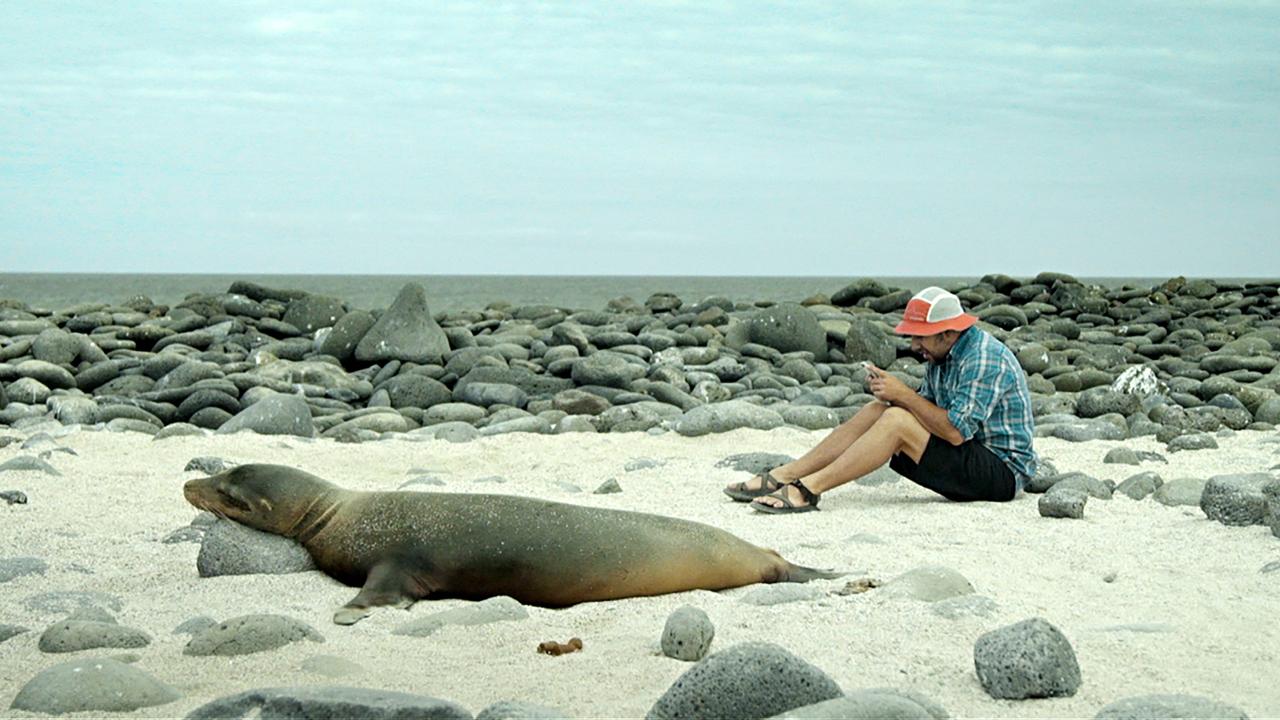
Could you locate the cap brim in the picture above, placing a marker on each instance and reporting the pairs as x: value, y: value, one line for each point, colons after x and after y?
x: 963, y: 321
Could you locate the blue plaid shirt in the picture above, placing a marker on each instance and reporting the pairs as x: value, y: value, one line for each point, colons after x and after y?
x: 984, y: 391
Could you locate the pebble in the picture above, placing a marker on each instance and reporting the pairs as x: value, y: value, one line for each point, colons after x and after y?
x: 687, y: 634
x: 248, y: 634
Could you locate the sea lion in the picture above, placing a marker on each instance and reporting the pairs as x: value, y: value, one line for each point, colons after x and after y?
x: 399, y: 547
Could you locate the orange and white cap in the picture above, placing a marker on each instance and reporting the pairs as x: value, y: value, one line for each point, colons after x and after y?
x: 931, y: 311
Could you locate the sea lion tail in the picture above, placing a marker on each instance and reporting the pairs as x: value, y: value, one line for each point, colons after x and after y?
x: 800, y: 574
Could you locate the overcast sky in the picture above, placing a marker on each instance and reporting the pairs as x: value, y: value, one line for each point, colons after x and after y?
x: 671, y: 138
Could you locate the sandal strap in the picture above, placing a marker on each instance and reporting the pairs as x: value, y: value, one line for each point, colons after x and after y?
x: 809, y: 496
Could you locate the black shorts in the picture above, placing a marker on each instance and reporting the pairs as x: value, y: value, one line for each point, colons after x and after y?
x: 963, y: 473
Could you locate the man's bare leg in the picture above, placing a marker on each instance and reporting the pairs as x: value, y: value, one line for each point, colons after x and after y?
x: 896, y: 430
x: 825, y: 452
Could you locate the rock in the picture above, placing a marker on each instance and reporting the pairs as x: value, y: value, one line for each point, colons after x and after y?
x: 229, y: 548
x: 608, y: 369
x: 405, y: 332
x: 518, y: 710
x: 688, y: 634
x: 49, y: 375
x: 10, y: 631
x: 328, y: 702
x: 454, y: 432
x: 1236, y: 499
x: 863, y: 705
x: 1181, y: 491
x: 277, y: 414
x: 28, y: 391
x: 67, y: 601
x: 13, y: 497
x: 1271, y: 492
x: 1141, y: 485
x: 74, y: 635
x: 250, y: 634
x: 1193, y: 441
x: 869, y: 341
x: 191, y: 626
x: 1063, y: 503
x: 789, y: 327
x: 1084, y: 483
x: 747, y: 681
x: 1267, y: 412
x: 312, y: 312
x: 94, y: 685
x: 930, y: 583
x: 16, y: 567
x: 417, y: 391
x: 346, y: 334
x: 608, y: 487
x: 1169, y: 707
x: 1030, y: 659
x: 486, y: 395
x: 726, y: 416
x: 491, y: 610
x: 965, y: 606
x: 1034, y: 358
x: 857, y: 290
x: 1121, y: 456
x: 208, y: 465
x: 579, y: 402
x: 1099, y: 401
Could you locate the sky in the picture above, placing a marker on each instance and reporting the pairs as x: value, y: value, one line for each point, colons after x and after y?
x: 710, y: 137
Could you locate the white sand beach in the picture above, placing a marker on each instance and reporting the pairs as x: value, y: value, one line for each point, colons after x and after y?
x: 1188, y: 611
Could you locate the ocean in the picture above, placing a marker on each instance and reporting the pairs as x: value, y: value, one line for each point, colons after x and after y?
x: 455, y: 292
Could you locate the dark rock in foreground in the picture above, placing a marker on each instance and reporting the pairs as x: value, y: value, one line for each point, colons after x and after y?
x: 328, y: 702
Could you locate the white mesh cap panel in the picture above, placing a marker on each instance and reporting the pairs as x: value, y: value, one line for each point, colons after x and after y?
x: 942, y: 304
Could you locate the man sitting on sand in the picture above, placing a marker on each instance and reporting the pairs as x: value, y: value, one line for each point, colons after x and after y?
x: 966, y: 435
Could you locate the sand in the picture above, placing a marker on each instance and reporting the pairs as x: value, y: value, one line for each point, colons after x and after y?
x: 1200, y: 612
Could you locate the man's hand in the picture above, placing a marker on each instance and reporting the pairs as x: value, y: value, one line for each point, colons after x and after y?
x: 886, y: 387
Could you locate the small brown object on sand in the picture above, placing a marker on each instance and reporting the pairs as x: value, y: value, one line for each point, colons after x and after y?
x: 551, y: 647
x: 861, y: 585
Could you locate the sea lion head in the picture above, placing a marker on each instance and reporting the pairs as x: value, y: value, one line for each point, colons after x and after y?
x: 271, y: 498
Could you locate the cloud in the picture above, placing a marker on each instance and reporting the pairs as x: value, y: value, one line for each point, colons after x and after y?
x: 298, y: 23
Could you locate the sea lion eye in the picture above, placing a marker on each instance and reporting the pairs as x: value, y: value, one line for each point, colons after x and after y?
x: 232, y: 500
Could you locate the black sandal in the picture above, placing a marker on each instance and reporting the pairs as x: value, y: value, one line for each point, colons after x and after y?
x: 809, y: 496
x: 741, y: 493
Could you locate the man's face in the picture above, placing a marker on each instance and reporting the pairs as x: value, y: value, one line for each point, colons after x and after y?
x: 933, y: 348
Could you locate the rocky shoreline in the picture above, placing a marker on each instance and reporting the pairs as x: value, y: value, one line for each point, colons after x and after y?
x: 1176, y: 360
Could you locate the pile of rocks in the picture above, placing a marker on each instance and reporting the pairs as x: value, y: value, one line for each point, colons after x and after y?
x: 1177, y: 360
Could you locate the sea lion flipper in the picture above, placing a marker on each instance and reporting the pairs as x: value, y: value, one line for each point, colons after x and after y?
x: 387, y: 584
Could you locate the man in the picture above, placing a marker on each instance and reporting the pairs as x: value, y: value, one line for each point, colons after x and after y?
x: 966, y: 435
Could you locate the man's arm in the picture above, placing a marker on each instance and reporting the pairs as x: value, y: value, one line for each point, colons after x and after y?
x: 893, y: 391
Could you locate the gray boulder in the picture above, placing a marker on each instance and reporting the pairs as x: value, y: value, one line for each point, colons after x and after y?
x: 865, y: 705
x: 1063, y: 502
x: 73, y: 635
x: 1141, y: 485
x: 51, y: 376
x: 754, y: 462
x: 328, y: 702
x: 491, y: 610
x: 312, y: 312
x: 346, y: 334
x: 608, y: 369
x: 229, y: 548
x: 1169, y: 707
x: 1272, y: 494
x: 405, y: 332
x: 788, y: 327
x: 250, y: 634
x: 414, y: 390
x: 1084, y: 483
x: 277, y: 414
x: 687, y: 634
x: 930, y: 583
x: 94, y: 685
x: 1236, y: 499
x: 1193, y: 441
x: 487, y: 394
x: 725, y: 416
x: 1121, y: 456
x: 869, y: 341
x: 1030, y: 659
x: 1181, y: 491
x: 1099, y: 401
x: 747, y: 681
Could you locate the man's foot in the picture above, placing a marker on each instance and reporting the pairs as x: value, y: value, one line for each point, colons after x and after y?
x: 790, y: 498
x: 762, y: 484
